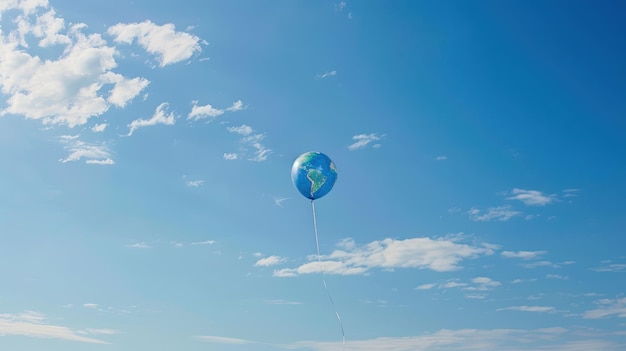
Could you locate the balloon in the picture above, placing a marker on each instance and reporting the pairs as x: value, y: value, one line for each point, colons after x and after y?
x: 313, y: 174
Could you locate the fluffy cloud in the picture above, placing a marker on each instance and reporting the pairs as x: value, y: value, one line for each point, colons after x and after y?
x: 441, y: 255
x: 163, y: 41
x: 64, y: 89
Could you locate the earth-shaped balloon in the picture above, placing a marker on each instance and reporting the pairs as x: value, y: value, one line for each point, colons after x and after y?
x: 313, y: 174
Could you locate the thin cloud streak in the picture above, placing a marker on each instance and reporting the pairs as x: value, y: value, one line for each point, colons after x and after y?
x: 362, y: 140
x: 34, y: 324
x: 532, y: 197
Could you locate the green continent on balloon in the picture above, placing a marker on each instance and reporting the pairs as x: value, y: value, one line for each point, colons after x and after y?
x: 317, y: 179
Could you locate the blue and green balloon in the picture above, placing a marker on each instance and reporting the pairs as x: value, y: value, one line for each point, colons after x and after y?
x: 313, y: 174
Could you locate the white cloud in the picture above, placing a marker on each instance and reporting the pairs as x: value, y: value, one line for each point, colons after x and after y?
x: 282, y: 302
x: 477, y: 284
x: 545, y: 339
x: 557, y: 276
x: 538, y: 309
x: 206, y: 242
x: 194, y: 183
x: 35, y: 325
x: 92, y: 153
x: 525, y: 255
x: 261, y: 152
x: 90, y: 305
x: 231, y: 156
x: 206, y: 111
x: 236, y: 106
x: 608, y: 308
x: 612, y: 267
x: 279, y: 201
x: 327, y: 74
x: 441, y: 255
x: 64, y: 89
x: 243, y: 130
x: 99, y: 128
x: 426, y: 286
x: 140, y: 245
x: 540, y: 264
x: 223, y: 340
x: 249, y: 139
x: 441, y: 158
x: 570, y: 192
x: 362, y: 140
x: 532, y: 197
x: 163, y: 41
x: 270, y: 261
x: 125, y: 89
x: 483, y: 284
x: 500, y: 213
x: 159, y: 117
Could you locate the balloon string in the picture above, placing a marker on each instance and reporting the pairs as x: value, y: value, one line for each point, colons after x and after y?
x: 319, y: 260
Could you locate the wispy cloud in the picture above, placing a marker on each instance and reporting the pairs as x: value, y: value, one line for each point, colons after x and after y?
x: 250, y: 139
x: 548, y: 339
x: 532, y: 197
x: 476, y: 284
x: 440, y: 254
x: 223, y: 340
x: 159, y: 117
x: 362, y: 140
x: 208, y: 111
x: 206, y: 242
x: 163, y: 41
x: 92, y: 153
x: 525, y: 255
x: 327, y: 74
x: 279, y: 201
x: 140, y: 245
x: 608, y: 308
x: 441, y: 158
x: 270, y: 261
x: 35, y: 325
x: 570, y: 192
x: 557, y: 276
x: 537, y: 309
x: 611, y: 267
x: 500, y: 213
x: 282, y: 302
x: 537, y: 264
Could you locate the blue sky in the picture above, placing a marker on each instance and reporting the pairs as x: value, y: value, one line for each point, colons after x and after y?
x: 146, y: 194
